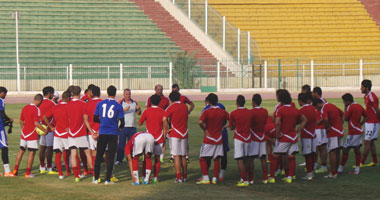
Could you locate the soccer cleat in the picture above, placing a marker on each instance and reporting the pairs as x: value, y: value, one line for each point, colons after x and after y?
x: 353, y: 173
x: 155, y: 180
x: 371, y: 164
x: 271, y: 180
x: 118, y: 163
x: 61, y: 177
x: 302, y: 164
x: 251, y: 182
x: 184, y: 180
x: 203, y: 182
x: 199, y: 179
x: 82, y: 176
x: 283, y: 172
x: 135, y: 183
x: 361, y: 165
x: 171, y: 160
x: 77, y: 180
x: 68, y: 173
x: 29, y: 176
x: 321, y: 170
x: 214, y: 179
x: 294, y: 177
x: 15, y: 172
x: 85, y: 173
x: 114, y: 179
x: 42, y: 171
x: 265, y: 181
x: 331, y: 176
x: 51, y: 172
x: 95, y: 182
x: 308, y: 177
x: 188, y: 160
x: 108, y: 183
x: 242, y: 184
x: 9, y: 174
x: 178, y: 181
x: 162, y: 160
x: 288, y: 180
x: 145, y: 182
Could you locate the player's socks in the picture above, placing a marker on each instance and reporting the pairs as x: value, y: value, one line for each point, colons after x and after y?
x: 216, y: 167
x: 78, y: 165
x: 28, y: 171
x: 265, y: 174
x: 84, y: 161
x: 357, y: 159
x: 184, y: 177
x: 178, y: 176
x: 93, y: 160
x: 203, y: 163
x: 292, y: 166
x: 364, y: 158
x: 147, y: 175
x: 157, y: 165
x: 243, y: 176
x: 58, y: 163
x: 273, y: 166
x: 136, y: 175
x: 344, y: 159
x: 6, y: 168
x: 66, y: 161
x: 309, y: 164
x: 15, y: 171
x: 340, y: 169
x: 374, y: 158
x: 143, y: 167
x: 75, y: 170
x: 221, y: 174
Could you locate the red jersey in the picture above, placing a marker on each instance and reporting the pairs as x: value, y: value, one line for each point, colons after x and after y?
x: 279, y: 105
x: 371, y: 103
x: 59, y: 112
x: 153, y: 117
x: 164, y: 103
x: 131, y: 142
x: 45, y: 106
x: 90, y: 110
x: 289, y: 117
x: 178, y: 114
x: 184, y: 99
x: 258, y: 123
x: 310, y: 113
x: 85, y: 98
x: 30, y: 114
x: 241, y: 119
x: 76, y: 109
x: 334, y: 115
x: 354, y: 115
x: 270, y: 131
x: 214, y: 118
x: 318, y: 118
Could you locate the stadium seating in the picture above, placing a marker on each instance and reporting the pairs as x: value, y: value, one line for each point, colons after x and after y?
x: 81, y: 32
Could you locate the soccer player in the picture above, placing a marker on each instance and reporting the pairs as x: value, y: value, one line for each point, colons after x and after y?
x: 78, y: 137
x: 154, y: 125
x: 46, y: 141
x: 140, y: 144
x: 317, y: 94
x: 183, y: 99
x: 308, y: 138
x: 61, y: 144
x: 131, y: 108
x: 372, y: 124
x: 286, y: 119
x: 177, y: 114
x: 29, y: 121
x: 355, y: 115
x: 259, y: 119
x: 108, y: 113
x: 211, y: 122
x: 87, y: 93
x: 306, y: 89
x: 3, y: 135
x: 164, y: 103
x: 333, y: 119
x: 240, y: 122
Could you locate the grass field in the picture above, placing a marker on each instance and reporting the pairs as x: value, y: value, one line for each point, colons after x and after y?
x: 363, y: 186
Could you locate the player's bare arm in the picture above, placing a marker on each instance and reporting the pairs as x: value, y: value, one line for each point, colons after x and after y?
x: 48, y: 123
x: 191, y: 107
x: 302, y: 123
x: 166, y: 126
x: 277, y: 124
x: 86, y: 121
x: 22, y: 124
x: 129, y: 157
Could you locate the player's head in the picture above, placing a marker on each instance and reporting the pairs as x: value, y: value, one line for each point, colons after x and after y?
x: 306, y: 89
x: 366, y: 86
x: 66, y: 96
x: 70, y: 88
x: 158, y: 89
x: 95, y: 91
x: 318, y: 103
x: 89, y: 90
x: 175, y: 87
x: 75, y: 92
x: 256, y: 100
x: 212, y: 99
x: 206, y: 101
x: 3, y: 92
x: 174, y: 96
x: 285, y: 98
x: 55, y: 96
x: 278, y: 93
x: 111, y: 91
x: 127, y: 94
x: 302, y: 99
x: 240, y: 101
x: 347, y: 99
x: 317, y: 92
x: 155, y: 99
x: 48, y: 92
x: 38, y: 99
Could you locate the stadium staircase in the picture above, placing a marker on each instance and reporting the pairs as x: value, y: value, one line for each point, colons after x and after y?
x: 81, y: 32
x: 373, y: 8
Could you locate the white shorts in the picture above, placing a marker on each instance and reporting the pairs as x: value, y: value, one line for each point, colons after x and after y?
x: 29, y: 144
x: 257, y: 149
x: 285, y: 147
x: 178, y: 147
x: 47, y: 140
x: 321, y: 136
x: 93, y: 143
x: 309, y: 145
x: 79, y: 142
x: 61, y: 143
x: 241, y: 149
x: 353, y: 141
x: 334, y: 143
x: 371, y: 131
x: 144, y: 143
x: 211, y: 150
x: 157, y: 149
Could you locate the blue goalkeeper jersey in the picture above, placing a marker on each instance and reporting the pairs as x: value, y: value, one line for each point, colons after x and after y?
x: 109, y: 112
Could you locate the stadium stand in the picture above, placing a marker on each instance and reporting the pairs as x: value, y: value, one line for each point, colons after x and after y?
x: 373, y: 8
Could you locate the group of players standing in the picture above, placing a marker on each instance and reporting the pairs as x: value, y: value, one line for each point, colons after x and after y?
x: 94, y: 126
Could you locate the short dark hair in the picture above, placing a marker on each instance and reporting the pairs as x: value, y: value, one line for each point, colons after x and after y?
x: 257, y: 99
x: 95, y: 91
x: 155, y: 99
x: 3, y: 89
x: 306, y: 88
x: 70, y: 88
x: 302, y: 97
x: 285, y: 97
x: 317, y: 101
x: 212, y: 99
x: 317, y: 90
x: 76, y: 91
x: 66, y: 95
x: 279, y: 91
x: 367, y: 84
x: 240, y: 100
x: 47, y: 90
x: 38, y: 97
x: 175, y: 85
x: 111, y: 91
x: 348, y: 97
x: 174, y: 96
x: 89, y: 87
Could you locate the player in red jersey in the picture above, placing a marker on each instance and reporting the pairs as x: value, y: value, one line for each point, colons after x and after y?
x: 258, y: 145
x: 355, y: 115
x: 87, y: 93
x: 372, y: 124
x: 308, y: 138
x: 211, y: 122
x: 29, y: 122
x: 177, y: 114
x: 333, y: 119
x: 164, y: 103
x: 240, y: 123
x: 154, y: 125
x: 286, y: 119
x: 78, y: 138
x: 46, y: 141
x: 60, y: 128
